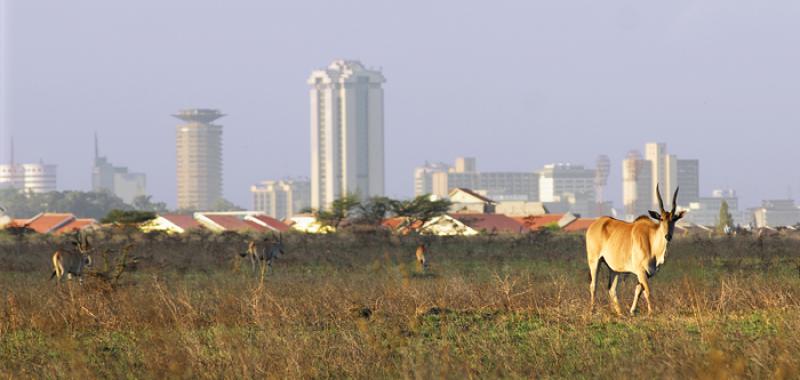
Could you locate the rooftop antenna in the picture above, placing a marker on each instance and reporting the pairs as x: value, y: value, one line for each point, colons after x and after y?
x: 96, y: 149
x: 11, y: 159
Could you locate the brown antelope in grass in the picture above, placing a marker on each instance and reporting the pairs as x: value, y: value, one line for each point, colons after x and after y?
x: 72, y: 262
x: 638, y: 248
x: 272, y: 248
x: 422, y: 249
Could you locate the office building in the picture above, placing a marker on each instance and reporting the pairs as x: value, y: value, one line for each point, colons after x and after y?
x: 347, y: 146
x: 499, y: 186
x: 199, y: 159
x: 116, y: 179
x: 637, y: 185
x: 281, y: 199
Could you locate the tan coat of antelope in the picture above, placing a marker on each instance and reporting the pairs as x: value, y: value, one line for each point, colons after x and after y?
x: 71, y: 262
x: 422, y: 249
x: 638, y: 248
x: 272, y: 248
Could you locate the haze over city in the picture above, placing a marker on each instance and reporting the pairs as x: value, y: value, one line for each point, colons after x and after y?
x: 366, y: 189
x: 517, y: 85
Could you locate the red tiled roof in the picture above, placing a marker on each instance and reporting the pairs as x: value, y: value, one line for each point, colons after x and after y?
x: 75, y: 225
x: 255, y: 226
x: 579, y: 225
x: 47, y: 222
x: 186, y: 222
x: 271, y: 223
x: 490, y: 222
x: 18, y: 222
x: 474, y: 194
x: 232, y: 223
x: 393, y: 223
x: 537, y: 222
x: 396, y: 224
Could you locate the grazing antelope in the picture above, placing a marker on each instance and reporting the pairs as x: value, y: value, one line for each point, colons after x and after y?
x: 421, y: 260
x: 272, y: 249
x: 72, y: 262
x: 251, y: 253
x: 638, y: 248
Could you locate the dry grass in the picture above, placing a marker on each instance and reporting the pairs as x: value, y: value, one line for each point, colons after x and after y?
x: 356, y: 307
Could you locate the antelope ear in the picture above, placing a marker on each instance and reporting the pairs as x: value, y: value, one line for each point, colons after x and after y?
x: 654, y: 215
x: 678, y: 215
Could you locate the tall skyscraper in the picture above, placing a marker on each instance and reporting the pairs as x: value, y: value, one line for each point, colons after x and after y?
x: 662, y: 169
x: 637, y: 185
x: 346, y: 132
x: 116, y: 179
x: 689, y: 181
x: 664, y: 172
x: 199, y: 154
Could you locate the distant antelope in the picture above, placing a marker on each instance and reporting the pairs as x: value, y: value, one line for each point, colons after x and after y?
x: 72, y: 262
x: 638, y: 248
x: 422, y: 249
x: 271, y: 250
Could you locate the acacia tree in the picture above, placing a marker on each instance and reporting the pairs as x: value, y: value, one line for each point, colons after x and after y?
x: 340, y: 210
x: 373, y: 211
x: 420, y: 209
x: 145, y: 203
x: 128, y: 216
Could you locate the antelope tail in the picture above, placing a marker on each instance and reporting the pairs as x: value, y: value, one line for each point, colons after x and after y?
x: 53, y: 275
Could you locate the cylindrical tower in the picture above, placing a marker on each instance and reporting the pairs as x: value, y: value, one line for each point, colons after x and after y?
x: 198, y: 146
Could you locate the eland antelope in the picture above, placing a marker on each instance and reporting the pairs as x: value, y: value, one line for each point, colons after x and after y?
x: 271, y: 250
x: 72, y: 262
x: 422, y: 249
x: 638, y: 248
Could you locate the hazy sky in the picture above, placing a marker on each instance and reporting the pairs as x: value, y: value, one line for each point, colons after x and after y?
x: 516, y: 84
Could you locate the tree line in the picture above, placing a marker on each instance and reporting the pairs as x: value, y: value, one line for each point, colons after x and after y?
x: 97, y: 205
x: 108, y: 208
x: 349, y: 210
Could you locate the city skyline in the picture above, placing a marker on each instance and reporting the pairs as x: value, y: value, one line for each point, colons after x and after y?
x: 718, y: 104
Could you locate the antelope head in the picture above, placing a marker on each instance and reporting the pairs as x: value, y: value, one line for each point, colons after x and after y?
x: 82, y: 245
x: 667, y: 219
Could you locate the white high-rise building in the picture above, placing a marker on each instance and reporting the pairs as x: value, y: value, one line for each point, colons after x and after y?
x: 31, y: 178
x: 34, y: 178
x: 347, y: 154
x: 664, y: 172
x: 637, y: 185
x: 281, y: 199
x: 669, y: 172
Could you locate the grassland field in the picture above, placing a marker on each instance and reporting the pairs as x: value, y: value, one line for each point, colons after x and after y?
x: 358, y: 306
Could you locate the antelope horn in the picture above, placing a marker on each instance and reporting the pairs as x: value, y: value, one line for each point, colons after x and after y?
x: 675, y: 200
x: 660, y: 201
